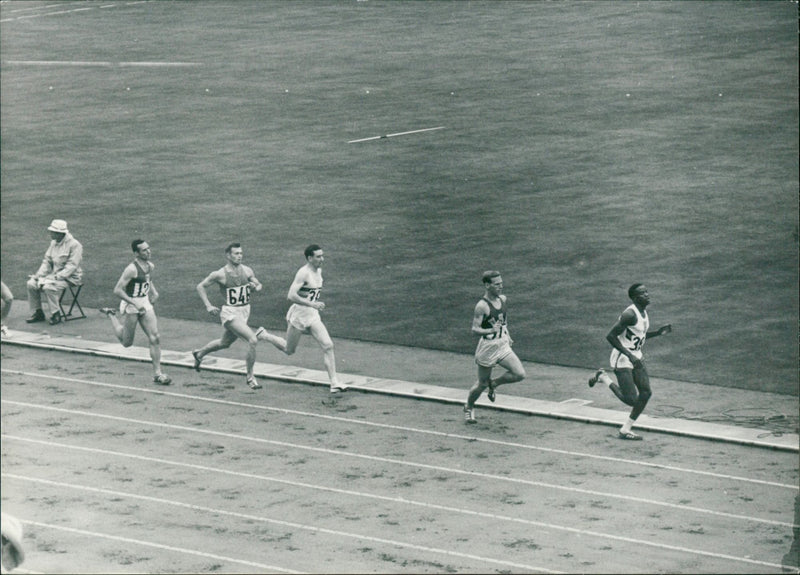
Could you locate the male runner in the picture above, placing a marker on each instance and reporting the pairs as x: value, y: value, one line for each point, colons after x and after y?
x: 303, y: 315
x: 138, y: 294
x: 490, y: 322
x: 7, y: 299
x: 627, y: 337
x: 235, y: 281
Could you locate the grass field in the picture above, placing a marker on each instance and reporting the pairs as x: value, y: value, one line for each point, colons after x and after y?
x: 585, y: 146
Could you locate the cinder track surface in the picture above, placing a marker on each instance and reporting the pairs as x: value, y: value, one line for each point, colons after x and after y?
x: 110, y: 473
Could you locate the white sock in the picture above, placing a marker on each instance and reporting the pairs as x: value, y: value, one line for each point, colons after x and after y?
x: 626, y: 427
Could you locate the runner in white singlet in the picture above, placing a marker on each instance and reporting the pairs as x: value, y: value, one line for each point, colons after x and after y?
x: 627, y: 339
x: 303, y: 315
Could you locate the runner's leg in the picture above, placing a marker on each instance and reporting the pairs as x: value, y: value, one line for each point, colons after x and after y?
x: 240, y: 329
x: 277, y: 341
x: 125, y: 329
x: 514, y: 370
x: 292, y: 338
x: 149, y: 324
x: 320, y: 333
x: 642, y: 381
x: 484, y: 378
x: 625, y: 388
x: 223, y: 342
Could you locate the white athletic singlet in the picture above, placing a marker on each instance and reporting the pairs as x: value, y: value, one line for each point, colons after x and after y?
x: 631, y: 339
x: 301, y: 316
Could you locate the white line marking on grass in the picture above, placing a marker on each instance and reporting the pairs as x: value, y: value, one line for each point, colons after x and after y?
x: 408, y: 429
x: 406, y: 463
x: 46, y: 7
x: 100, y: 63
x: 59, y: 12
x: 183, y: 550
x: 396, y: 134
x: 481, y: 514
x: 51, y: 13
x: 157, y: 64
x: 57, y: 63
x: 314, y: 528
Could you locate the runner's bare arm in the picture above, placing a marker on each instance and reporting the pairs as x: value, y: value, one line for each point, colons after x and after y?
x: 212, y: 278
x: 119, y: 290
x: 252, y: 280
x: 481, y: 310
x: 627, y: 318
x: 294, y: 289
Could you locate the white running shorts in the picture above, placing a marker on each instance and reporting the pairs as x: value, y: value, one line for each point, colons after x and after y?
x: 229, y: 312
x: 302, y: 317
x: 619, y: 361
x: 125, y: 307
x: 491, y: 352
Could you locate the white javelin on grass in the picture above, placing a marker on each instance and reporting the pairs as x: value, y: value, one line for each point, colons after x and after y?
x: 397, y: 134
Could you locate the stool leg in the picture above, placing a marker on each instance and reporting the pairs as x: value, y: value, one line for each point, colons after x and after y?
x: 75, y: 292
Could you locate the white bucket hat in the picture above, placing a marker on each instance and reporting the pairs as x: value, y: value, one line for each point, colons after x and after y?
x: 12, y: 533
x: 59, y: 226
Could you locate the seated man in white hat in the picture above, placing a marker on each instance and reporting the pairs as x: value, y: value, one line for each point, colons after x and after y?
x: 61, y: 264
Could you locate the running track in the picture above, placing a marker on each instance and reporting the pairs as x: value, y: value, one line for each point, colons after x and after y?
x: 109, y: 473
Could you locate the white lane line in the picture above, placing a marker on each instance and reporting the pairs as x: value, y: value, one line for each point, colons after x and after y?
x: 406, y: 463
x: 395, y: 134
x: 579, y: 532
x: 401, y: 500
x: 314, y: 528
x: 157, y: 64
x: 28, y: 17
x: 183, y: 550
x: 59, y: 12
x: 470, y: 438
x: 100, y: 64
x: 46, y: 7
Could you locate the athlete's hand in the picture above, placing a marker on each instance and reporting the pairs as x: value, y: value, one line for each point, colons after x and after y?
x: 665, y: 329
x: 254, y: 286
x: 213, y: 310
x: 318, y: 305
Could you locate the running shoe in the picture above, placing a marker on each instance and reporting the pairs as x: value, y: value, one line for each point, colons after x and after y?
x: 629, y: 435
x: 162, y: 379
x: 107, y: 311
x: 3, y: 331
x: 197, y: 360
x: 491, y: 395
x: 596, y: 377
x: 338, y: 388
x: 253, y: 383
x: 469, y: 415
